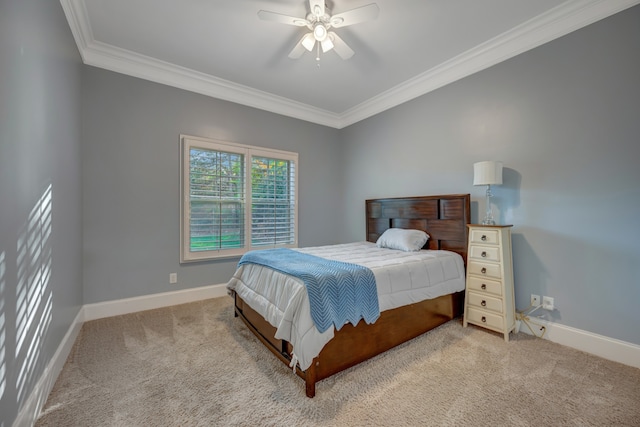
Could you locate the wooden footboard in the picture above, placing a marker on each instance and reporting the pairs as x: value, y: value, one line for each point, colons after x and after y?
x: 354, y: 344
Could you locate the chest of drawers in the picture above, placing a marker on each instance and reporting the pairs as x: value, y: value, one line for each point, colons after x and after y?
x: 489, y: 295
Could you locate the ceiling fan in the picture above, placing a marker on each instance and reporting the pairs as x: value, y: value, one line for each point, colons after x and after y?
x: 320, y: 22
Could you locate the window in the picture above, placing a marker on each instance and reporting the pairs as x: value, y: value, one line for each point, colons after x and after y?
x: 236, y: 198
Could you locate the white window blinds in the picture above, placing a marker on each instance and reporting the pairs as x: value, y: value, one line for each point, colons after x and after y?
x: 217, y: 198
x: 272, y: 201
x: 234, y: 198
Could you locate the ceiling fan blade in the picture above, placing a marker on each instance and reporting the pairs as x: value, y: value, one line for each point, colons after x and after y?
x: 341, y: 48
x: 316, y: 7
x: 355, y: 16
x: 306, y: 43
x: 265, y: 15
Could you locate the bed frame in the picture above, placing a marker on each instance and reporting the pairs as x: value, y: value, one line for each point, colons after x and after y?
x: 445, y: 219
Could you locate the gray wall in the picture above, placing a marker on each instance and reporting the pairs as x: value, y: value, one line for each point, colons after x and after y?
x: 131, y: 185
x: 565, y: 120
x: 40, y: 207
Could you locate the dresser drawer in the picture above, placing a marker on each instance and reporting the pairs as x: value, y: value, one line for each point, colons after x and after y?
x: 484, y: 236
x: 489, y: 253
x: 484, y: 269
x: 484, y: 319
x: 483, y: 285
x: 485, y: 301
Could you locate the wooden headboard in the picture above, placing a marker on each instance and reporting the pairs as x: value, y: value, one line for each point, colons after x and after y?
x: 444, y: 218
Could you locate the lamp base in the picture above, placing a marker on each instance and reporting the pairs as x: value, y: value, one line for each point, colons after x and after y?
x: 488, y: 218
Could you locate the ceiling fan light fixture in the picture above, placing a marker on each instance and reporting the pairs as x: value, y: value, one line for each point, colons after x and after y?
x: 320, y: 32
x: 321, y: 23
x: 308, y: 42
x: 327, y: 45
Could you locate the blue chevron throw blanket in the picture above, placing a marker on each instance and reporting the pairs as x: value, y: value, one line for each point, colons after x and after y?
x: 339, y: 292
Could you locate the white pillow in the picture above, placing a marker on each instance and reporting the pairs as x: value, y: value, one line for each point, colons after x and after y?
x: 404, y: 240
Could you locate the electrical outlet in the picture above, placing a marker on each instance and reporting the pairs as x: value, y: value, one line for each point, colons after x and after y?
x: 173, y: 278
x: 535, y: 300
x: 547, y: 303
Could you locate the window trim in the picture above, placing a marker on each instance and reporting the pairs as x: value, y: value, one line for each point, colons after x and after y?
x: 249, y: 151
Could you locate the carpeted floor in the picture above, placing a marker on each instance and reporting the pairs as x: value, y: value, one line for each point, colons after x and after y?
x: 197, y: 365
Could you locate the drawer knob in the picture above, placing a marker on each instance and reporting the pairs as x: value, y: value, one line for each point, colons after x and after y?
x: 484, y: 270
x: 484, y: 319
x: 483, y: 238
x: 483, y: 254
x: 483, y: 303
x: 483, y: 287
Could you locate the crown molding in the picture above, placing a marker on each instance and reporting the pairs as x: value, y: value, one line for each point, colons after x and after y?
x: 557, y: 22
x: 123, y: 61
x: 126, y: 62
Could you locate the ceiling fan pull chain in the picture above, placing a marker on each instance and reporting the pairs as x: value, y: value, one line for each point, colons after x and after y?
x: 318, y: 54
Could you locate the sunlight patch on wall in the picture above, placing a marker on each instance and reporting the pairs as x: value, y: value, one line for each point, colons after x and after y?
x: 3, y: 333
x: 33, y: 293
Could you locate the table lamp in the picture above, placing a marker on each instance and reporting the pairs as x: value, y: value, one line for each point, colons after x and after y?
x: 487, y: 173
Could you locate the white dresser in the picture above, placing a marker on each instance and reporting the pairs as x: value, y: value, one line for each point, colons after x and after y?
x: 489, y: 296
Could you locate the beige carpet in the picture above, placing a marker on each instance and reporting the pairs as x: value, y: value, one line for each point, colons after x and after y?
x: 197, y: 365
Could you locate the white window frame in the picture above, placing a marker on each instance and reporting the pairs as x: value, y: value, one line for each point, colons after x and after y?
x: 249, y: 151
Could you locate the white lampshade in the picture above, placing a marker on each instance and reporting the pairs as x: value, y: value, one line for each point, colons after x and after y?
x: 487, y: 173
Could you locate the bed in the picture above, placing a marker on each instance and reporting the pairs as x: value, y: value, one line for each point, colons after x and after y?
x: 444, y: 218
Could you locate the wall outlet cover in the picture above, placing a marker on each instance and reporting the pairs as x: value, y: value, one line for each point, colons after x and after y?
x: 535, y: 300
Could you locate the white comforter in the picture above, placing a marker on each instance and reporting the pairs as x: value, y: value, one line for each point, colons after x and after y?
x: 402, y: 278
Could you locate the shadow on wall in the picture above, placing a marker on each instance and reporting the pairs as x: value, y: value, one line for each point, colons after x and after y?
x: 3, y: 331
x: 507, y: 195
x: 28, y: 265
x: 530, y: 273
x: 530, y: 277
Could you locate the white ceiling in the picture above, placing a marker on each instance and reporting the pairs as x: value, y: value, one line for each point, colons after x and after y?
x: 220, y: 48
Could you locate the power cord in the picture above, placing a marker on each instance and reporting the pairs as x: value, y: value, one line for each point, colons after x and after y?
x: 524, y: 317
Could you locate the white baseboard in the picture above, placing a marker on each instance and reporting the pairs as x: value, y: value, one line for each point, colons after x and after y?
x: 148, y: 302
x: 599, y: 345
x: 31, y: 409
